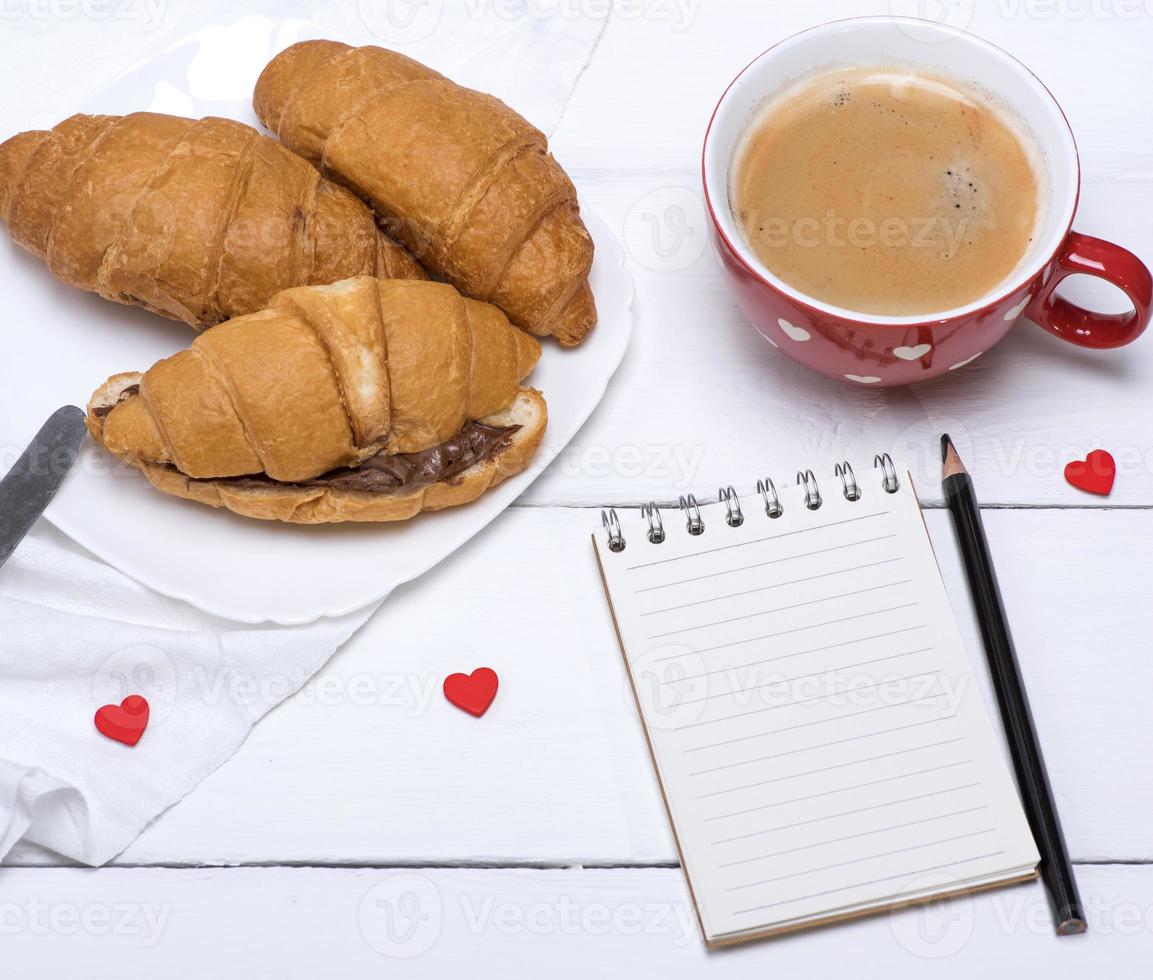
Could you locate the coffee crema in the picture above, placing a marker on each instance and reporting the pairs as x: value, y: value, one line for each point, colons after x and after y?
x: 886, y: 192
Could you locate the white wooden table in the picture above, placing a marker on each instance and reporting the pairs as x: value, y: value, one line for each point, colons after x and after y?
x: 366, y: 820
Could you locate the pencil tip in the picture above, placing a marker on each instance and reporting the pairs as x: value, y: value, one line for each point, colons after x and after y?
x: 951, y: 463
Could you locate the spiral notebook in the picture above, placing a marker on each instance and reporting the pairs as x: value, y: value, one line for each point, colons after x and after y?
x: 818, y: 735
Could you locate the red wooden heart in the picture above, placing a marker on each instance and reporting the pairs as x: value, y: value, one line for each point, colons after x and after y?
x: 472, y: 692
x: 124, y: 722
x: 1094, y: 473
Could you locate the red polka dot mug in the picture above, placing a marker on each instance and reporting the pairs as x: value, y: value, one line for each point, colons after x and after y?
x: 867, y: 349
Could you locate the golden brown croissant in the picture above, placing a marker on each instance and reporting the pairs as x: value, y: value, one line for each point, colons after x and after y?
x: 198, y: 220
x: 457, y: 176
x: 365, y: 400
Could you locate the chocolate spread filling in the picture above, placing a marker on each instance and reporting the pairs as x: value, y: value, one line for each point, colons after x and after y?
x: 102, y: 410
x: 475, y: 442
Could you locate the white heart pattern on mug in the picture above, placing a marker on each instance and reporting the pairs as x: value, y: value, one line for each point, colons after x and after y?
x: 1017, y: 310
x: 912, y: 353
x: 867, y: 379
x: 799, y: 334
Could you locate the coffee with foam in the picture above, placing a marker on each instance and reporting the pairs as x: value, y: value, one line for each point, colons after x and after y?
x: 887, y: 191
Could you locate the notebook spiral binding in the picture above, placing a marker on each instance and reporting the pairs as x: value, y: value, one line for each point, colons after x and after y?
x: 734, y: 516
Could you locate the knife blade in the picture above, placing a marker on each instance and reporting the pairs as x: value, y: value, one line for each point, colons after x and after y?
x: 33, y: 481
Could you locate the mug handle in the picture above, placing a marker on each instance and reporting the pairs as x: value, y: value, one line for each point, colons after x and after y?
x: 1083, y: 254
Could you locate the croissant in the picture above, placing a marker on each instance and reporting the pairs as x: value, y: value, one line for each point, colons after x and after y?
x: 365, y: 400
x: 464, y: 182
x: 198, y: 220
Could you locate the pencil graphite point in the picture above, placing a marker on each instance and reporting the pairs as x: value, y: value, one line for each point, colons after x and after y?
x: 951, y: 463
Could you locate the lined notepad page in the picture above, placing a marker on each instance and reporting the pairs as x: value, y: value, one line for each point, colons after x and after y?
x: 819, y: 737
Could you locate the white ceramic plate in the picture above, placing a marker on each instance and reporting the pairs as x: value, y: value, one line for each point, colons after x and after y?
x: 60, y: 343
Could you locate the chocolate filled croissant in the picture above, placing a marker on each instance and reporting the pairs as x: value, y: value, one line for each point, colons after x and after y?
x: 461, y: 179
x: 365, y: 400
x: 198, y: 220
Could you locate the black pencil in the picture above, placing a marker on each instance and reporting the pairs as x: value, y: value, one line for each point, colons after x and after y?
x: 1032, y: 780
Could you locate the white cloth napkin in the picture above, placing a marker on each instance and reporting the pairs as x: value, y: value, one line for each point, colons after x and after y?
x: 76, y: 634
